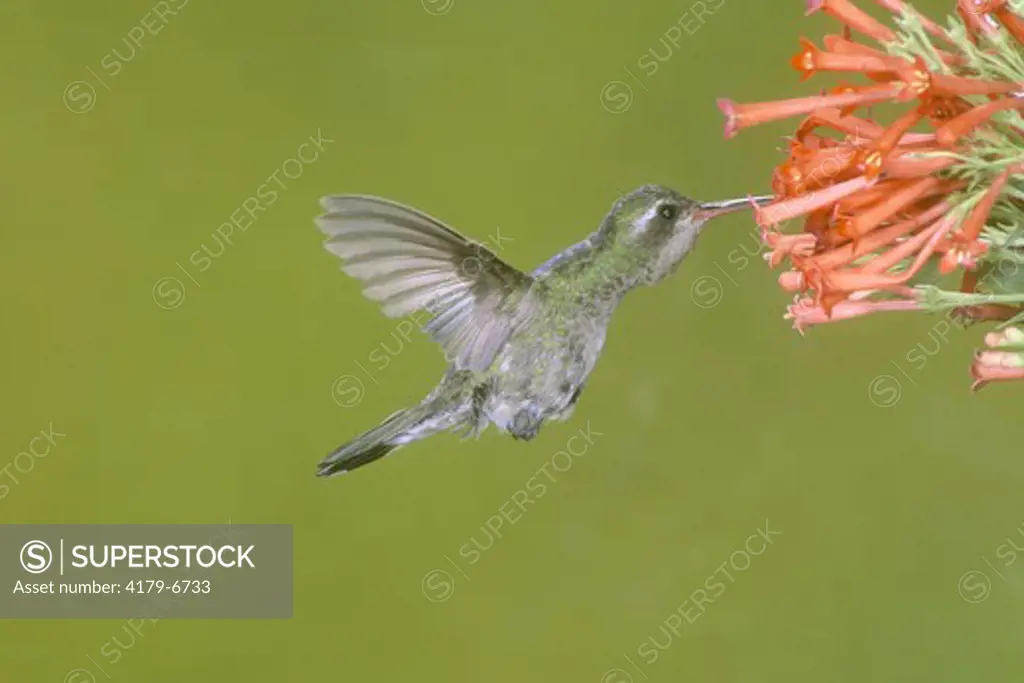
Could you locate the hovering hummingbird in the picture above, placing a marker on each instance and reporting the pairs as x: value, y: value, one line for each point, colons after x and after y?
x: 519, y: 346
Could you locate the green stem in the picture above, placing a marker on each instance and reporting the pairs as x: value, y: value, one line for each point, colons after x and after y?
x: 934, y: 298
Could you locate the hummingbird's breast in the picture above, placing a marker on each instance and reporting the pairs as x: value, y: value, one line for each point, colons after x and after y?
x: 540, y: 372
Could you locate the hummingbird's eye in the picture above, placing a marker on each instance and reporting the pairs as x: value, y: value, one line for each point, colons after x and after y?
x: 669, y: 211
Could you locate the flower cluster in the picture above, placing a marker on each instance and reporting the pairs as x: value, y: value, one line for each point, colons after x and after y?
x: 924, y: 211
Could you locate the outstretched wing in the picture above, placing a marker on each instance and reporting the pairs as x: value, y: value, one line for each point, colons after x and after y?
x: 409, y: 261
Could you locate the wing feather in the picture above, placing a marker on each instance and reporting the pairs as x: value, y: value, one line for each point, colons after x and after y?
x: 390, y: 266
x: 409, y: 261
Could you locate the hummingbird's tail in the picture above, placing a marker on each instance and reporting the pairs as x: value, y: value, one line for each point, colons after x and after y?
x: 450, y: 406
x: 395, y: 431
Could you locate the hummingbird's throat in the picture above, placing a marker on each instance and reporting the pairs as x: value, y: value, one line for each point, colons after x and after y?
x: 613, y: 270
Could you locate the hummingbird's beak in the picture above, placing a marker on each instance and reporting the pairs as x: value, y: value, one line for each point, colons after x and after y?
x: 708, y: 210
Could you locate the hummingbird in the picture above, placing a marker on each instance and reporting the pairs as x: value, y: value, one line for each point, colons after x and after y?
x: 519, y: 346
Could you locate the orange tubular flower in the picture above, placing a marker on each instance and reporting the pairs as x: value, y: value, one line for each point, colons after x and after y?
x: 870, y: 218
x: 983, y: 6
x: 928, y: 85
x: 854, y: 17
x: 859, y: 129
x: 800, y: 206
x: 980, y: 9
x: 909, y: 165
x: 740, y: 116
x: 956, y: 86
x: 878, y: 201
x: 1011, y: 22
x: 804, y: 312
x: 951, y: 132
x: 844, y: 45
x: 971, y: 227
x: 832, y: 118
x: 978, y: 22
x: 814, y: 169
x: 923, y: 243
x: 995, y: 366
x: 865, y: 198
x: 810, y: 60
x: 792, y: 281
x: 788, y: 245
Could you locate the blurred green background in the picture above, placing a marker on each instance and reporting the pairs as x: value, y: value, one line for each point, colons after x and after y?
x: 201, y: 395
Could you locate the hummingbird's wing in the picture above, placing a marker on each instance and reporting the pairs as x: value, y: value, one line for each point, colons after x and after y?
x: 409, y: 261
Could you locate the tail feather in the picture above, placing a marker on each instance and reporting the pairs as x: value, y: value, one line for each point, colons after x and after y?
x: 373, y: 445
x: 349, y: 459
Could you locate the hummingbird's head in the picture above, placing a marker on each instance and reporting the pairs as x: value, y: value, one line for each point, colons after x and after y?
x: 660, y: 226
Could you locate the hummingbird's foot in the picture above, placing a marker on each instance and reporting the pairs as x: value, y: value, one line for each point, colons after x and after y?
x: 525, y: 424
